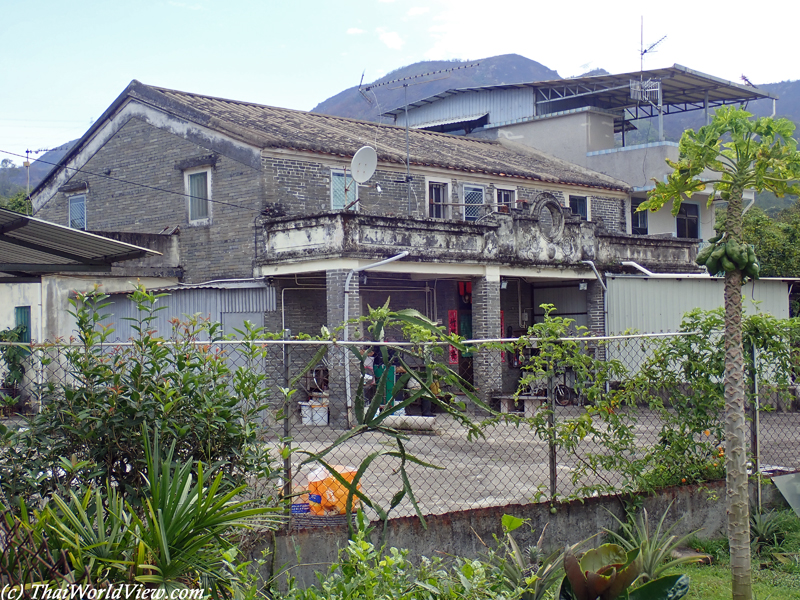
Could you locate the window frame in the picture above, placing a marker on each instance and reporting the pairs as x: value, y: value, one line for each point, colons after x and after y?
x: 588, y: 206
x: 345, y: 175
x: 639, y: 216
x: 72, y: 198
x: 187, y: 175
x: 498, y: 191
x: 446, y: 206
x: 464, y: 205
x: 687, y: 218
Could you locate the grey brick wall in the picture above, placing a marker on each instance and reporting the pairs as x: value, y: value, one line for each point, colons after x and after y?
x: 142, y: 154
x: 611, y: 210
x: 486, y: 367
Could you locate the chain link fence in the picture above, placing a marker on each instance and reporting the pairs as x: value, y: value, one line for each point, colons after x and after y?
x: 557, y: 436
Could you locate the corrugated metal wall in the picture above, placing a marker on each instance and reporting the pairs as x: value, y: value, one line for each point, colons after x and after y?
x: 502, y: 106
x: 214, y: 303
x: 655, y: 305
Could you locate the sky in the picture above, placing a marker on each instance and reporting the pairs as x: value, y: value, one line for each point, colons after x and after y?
x: 64, y: 63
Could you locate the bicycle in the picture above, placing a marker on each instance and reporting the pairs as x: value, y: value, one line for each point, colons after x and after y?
x: 564, y: 395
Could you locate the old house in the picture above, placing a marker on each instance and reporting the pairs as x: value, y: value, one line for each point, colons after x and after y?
x: 257, y: 205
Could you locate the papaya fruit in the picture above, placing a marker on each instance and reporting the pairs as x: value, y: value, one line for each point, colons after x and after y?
x: 726, y: 264
x: 736, y: 253
x: 704, y: 254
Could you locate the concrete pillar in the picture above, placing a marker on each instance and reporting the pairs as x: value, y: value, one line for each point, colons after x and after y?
x: 487, y: 366
x: 334, y: 284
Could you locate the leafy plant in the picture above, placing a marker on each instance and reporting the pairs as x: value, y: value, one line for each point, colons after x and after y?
x: 364, y: 571
x: 370, y: 418
x: 180, y: 386
x: 529, y: 570
x: 13, y: 356
x: 181, y: 539
x: 606, y: 573
x: 765, y: 530
x: 655, y: 545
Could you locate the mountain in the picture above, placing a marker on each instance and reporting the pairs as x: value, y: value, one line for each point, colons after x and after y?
x: 506, y: 68
x: 15, y: 178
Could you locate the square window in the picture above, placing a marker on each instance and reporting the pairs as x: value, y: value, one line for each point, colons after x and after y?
x: 77, y: 212
x: 688, y: 220
x: 343, y: 190
x: 579, y: 205
x: 473, y: 202
x: 506, y: 198
x: 437, y: 200
x: 638, y: 219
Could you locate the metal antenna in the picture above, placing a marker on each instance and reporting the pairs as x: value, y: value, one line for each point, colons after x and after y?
x: 404, y: 81
x: 643, y: 50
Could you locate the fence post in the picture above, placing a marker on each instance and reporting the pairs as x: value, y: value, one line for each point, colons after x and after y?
x: 551, y: 422
x: 287, y: 441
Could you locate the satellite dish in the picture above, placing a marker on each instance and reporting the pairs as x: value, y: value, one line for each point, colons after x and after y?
x: 363, y: 164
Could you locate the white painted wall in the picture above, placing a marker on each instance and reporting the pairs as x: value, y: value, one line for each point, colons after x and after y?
x: 49, y: 301
x: 20, y: 294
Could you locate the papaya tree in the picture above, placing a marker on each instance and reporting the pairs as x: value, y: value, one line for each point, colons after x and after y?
x: 740, y: 153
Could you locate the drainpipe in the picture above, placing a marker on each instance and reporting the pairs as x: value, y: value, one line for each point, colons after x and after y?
x: 630, y: 263
x: 347, y: 387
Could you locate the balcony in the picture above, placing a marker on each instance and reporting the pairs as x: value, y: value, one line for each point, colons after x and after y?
x: 548, y: 237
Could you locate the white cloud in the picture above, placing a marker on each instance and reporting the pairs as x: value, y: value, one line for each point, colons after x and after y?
x: 354, y: 31
x: 392, y: 39
x: 415, y: 11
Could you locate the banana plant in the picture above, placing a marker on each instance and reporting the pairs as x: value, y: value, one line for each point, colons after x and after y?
x: 606, y: 573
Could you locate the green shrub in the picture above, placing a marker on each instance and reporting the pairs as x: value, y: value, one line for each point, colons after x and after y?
x: 89, y: 432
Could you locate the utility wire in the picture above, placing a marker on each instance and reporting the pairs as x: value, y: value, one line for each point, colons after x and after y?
x: 149, y: 187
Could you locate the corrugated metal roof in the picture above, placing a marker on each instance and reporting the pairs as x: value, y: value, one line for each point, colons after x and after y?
x: 30, y: 247
x: 683, y: 89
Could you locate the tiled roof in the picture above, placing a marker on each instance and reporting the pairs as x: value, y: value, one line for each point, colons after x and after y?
x: 271, y: 127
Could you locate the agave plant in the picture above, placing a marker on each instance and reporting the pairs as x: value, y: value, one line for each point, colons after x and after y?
x: 180, y: 540
x: 607, y: 572
x: 655, y: 545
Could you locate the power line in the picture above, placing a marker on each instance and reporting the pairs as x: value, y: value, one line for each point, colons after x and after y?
x: 144, y: 185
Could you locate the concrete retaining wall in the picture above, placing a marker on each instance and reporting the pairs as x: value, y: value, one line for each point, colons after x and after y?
x: 463, y: 533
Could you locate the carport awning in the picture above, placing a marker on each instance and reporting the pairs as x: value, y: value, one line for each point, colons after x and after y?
x: 30, y: 247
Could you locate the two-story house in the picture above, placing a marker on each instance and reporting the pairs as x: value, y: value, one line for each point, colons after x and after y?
x: 256, y: 205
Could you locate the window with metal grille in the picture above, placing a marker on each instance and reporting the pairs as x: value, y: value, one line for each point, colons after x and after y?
x: 579, y: 205
x: 77, y: 212
x: 343, y: 190
x: 437, y: 200
x: 688, y: 220
x: 506, y: 198
x: 198, y: 187
x: 473, y: 201
x: 638, y: 219
x: 22, y: 316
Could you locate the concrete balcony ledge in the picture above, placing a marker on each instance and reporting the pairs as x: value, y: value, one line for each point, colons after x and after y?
x: 517, y: 239
x: 655, y: 252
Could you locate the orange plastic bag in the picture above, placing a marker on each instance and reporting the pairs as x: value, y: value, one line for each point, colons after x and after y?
x: 326, y: 496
